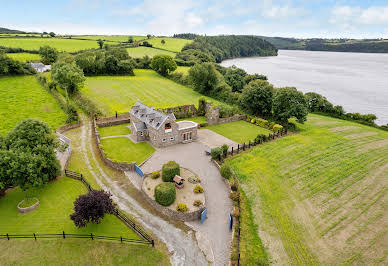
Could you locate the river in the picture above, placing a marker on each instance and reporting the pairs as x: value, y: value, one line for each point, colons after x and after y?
x: 357, y: 81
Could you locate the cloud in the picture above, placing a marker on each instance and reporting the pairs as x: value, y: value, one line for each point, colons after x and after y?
x: 281, y: 12
x: 346, y: 15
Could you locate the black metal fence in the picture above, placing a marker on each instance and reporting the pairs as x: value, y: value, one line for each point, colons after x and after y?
x: 128, y: 222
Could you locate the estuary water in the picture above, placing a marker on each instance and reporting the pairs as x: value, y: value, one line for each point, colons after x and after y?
x: 357, y: 81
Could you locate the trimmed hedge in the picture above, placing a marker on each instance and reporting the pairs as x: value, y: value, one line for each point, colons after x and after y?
x: 226, y: 171
x: 198, y: 189
x: 165, y: 194
x: 169, y: 170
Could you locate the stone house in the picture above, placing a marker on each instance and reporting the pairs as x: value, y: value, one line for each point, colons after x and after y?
x: 148, y: 124
x: 39, y: 67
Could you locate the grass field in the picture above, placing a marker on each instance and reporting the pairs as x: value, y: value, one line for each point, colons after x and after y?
x: 141, y: 51
x: 196, y: 119
x: 114, y: 130
x: 318, y: 196
x: 172, y: 44
x: 120, y: 93
x: 67, y: 45
x: 121, y: 149
x: 25, y: 57
x: 239, y: 131
x: 22, y: 97
x: 113, y: 38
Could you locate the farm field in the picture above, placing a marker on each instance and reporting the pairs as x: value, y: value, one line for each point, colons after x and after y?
x: 23, y: 97
x: 24, y: 57
x: 111, y: 38
x: 239, y: 131
x: 122, y: 149
x: 141, y: 51
x: 317, y: 197
x: 114, y: 130
x: 67, y: 45
x: 120, y: 93
x: 172, y: 44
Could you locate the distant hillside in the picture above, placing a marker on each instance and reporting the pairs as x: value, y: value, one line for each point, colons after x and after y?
x: 8, y: 31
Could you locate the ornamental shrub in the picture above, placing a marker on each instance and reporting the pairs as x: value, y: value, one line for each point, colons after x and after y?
x: 235, y: 196
x: 215, y: 153
x: 277, y: 128
x: 226, y: 171
x: 169, y: 170
x: 197, y: 203
x: 165, y: 194
x: 225, y: 150
x: 198, y: 189
x: 155, y: 175
x: 181, y: 207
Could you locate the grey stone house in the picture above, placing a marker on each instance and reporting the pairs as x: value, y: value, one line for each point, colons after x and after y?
x: 160, y: 129
x: 39, y: 67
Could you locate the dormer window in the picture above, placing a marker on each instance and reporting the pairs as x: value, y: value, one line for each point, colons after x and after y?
x: 167, y: 127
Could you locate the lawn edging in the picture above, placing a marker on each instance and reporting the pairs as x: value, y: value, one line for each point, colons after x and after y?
x: 30, y: 208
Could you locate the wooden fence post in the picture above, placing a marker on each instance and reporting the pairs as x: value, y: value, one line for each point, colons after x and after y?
x: 153, y: 243
x: 232, y: 150
x: 91, y: 236
x: 63, y: 234
x: 121, y: 239
x: 238, y: 148
x: 34, y: 236
x: 7, y: 236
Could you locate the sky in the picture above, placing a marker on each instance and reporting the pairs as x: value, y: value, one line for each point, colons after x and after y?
x: 286, y: 18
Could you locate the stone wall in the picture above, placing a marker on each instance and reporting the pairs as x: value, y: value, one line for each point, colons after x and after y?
x: 182, y: 111
x: 213, y: 116
x: 67, y: 127
x: 28, y: 209
x: 234, y: 118
x: 113, y: 121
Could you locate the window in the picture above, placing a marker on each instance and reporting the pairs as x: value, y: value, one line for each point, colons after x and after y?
x: 164, y: 140
x: 141, y: 133
x: 172, y: 138
x: 167, y: 128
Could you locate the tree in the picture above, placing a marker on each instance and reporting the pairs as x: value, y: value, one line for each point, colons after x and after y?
x: 52, y: 34
x: 92, y: 207
x: 130, y: 39
x: 149, y: 36
x: 163, y: 64
x: 287, y: 103
x: 163, y: 41
x: 318, y: 103
x: 256, y: 98
x: 204, y: 77
x: 234, y: 77
x: 68, y: 76
x: 249, y: 78
x: 100, y: 43
x: 49, y: 55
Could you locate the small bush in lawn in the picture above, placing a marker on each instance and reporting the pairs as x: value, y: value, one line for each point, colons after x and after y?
x: 155, y: 175
x: 197, y: 203
x: 198, y: 189
x: 169, y: 170
x: 235, y: 196
x: 225, y: 150
x: 165, y: 194
x: 226, y: 171
x: 215, y: 153
x: 277, y: 128
x: 181, y: 207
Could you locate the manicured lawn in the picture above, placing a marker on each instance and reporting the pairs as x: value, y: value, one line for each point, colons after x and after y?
x: 67, y: 45
x: 112, y: 93
x: 196, y: 119
x: 172, y: 44
x: 25, y: 57
x: 52, y: 215
x: 320, y: 195
x: 114, y: 130
x: 142, y: 51
x: 122, y: 149
x: 23, y: 97
x: 239, y: 131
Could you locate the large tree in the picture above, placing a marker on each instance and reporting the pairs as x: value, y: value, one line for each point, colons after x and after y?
x: 163, y: 64
x: 287, y: 103
x: 256, y: 98
x: 91, y: 208
x: 234, y: 77
x: 318, y: 103
x: 68, y: 76
x: 100, y: 43
x: 204, y: 77
x: 49, y: 55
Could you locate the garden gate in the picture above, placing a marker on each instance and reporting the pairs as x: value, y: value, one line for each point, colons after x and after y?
x: 203, y: 215
x: 139, y: 171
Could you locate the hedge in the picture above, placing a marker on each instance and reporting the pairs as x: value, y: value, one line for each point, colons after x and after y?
x: 226, y: 171
x: 165, y: 193
x: 169, y: 170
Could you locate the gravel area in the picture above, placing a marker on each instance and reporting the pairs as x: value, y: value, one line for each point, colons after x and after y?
x: 212, y: 139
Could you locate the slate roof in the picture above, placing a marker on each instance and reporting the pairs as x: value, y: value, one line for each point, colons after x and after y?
x: 149, y: 116
x: 40, y: 67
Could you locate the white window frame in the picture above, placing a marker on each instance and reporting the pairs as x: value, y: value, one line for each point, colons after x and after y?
x: 164, y: 140
x: 172, y: 139
x: 141, y: 133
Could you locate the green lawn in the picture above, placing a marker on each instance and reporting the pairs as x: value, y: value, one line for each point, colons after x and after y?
x: 52, y: 215
x: 122, y: 149
x: 320, y: 195
x: 66, y: 45
x: 172, y: 44
x: 239, y: 131
x: 196, y: 119
x: 23, y: 97
x: 25, y: 57
x: 114, y: 130
x: 141, y: 51
x: 113, y: 93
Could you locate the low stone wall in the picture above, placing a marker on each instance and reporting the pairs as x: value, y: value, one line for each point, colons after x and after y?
x: 231, y: 119
x: 67, y: 127
x: 182, y: 111
x: 107, y: 161
x: 113, y: 121
x: 28, y: 209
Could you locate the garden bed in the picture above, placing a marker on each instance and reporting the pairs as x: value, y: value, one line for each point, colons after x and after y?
x: 28, y: 205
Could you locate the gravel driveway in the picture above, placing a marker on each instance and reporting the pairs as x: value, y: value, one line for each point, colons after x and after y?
x: 212, y: 139
x: 215, y: 229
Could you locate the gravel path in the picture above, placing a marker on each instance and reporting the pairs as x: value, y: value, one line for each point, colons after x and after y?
x: 182, y: 246
x: 212, y: 139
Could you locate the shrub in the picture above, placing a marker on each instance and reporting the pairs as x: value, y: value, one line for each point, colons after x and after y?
x: 226, y: 171
x: 235, y: 196
x: 169, y: 170
x: 277, y: 128
x: 225, y: 150
x: 253, y: 121
x: 155, y: 175
x: 198, y: 189
x: 202, y: 106
x: 197, y: 203
x: 233, y: 187
x: 181, y: 207
x: 165, y: 194
x: 216, y: 153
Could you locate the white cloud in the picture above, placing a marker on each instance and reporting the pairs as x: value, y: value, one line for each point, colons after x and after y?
x: 345, y: 15
x: 281, y: 12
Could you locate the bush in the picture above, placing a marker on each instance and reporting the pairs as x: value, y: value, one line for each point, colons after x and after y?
x: 181, y: 207
x: 226, y: 171
x: 198, y: 189
x: 169, y: 170
x: 165, y: 194
x: 235, y: 196
x: 277, y: 128
x: 225, y: 150
x: 155, y: 175
x: 216, y: 153
x: 197, y: 203
x: 233, y: 187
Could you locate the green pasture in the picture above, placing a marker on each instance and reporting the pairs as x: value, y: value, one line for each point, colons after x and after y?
x: 23, y: 97
x: 110, y: 38
x: 239, y: 131
x: 171, y: 44
x: 325, y: 186
x: 141, y: 51
x: 119, y: 93
x: 114, y: 130
x: 122, y: 149
x: 25, y: 57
